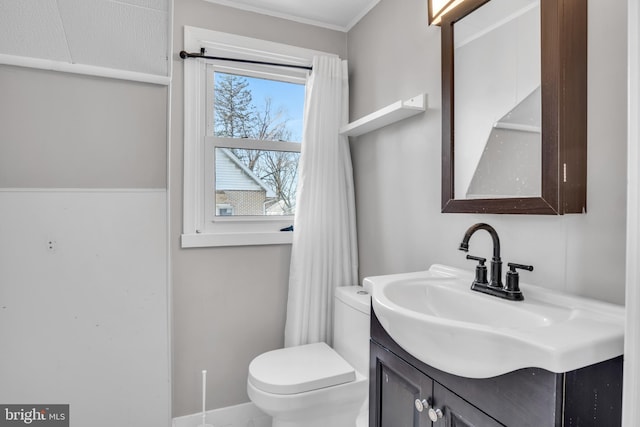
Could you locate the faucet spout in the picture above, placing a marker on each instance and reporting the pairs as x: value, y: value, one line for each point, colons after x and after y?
x: 496, y: 262
x: 464, y: 245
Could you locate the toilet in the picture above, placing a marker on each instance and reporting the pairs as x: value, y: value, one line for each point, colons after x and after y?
x: 315, y: 385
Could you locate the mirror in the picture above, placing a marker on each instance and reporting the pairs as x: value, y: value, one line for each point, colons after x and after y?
x: 497, y: 102
x: 514, y: 107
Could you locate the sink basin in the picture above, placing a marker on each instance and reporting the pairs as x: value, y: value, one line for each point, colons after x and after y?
x: 437, y: 318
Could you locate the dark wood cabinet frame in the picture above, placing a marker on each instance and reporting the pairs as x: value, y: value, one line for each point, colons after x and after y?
x: 564, y: 114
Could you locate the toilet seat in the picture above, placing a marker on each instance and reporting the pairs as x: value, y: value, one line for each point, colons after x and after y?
x: 299, y: 369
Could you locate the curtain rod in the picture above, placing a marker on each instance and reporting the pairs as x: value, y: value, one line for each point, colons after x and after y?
x: 185, y: 55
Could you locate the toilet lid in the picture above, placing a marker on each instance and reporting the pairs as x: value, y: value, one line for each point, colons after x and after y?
x: 298, y: 369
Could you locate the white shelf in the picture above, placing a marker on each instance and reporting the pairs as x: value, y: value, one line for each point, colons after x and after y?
x: 395, y: 112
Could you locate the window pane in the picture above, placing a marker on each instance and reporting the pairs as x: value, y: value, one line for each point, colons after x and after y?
x: 255, y: 108
x: 255, y: 182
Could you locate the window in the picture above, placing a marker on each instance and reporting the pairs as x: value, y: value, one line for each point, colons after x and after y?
x: 243, y: 132
x: 224, y: 210
x: 255, y: 130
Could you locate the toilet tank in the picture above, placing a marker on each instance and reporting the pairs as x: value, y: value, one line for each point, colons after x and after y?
x: 351, y: 326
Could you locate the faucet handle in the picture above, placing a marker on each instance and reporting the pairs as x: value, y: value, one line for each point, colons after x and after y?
x: 481, y: 270
x: 512, y: 267
x: 512, y: 287
x: 480, y: 260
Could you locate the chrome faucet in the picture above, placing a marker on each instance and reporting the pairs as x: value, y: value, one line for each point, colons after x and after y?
x: 494, y: 286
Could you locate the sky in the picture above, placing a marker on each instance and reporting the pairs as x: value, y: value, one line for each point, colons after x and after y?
x: 288, y: 95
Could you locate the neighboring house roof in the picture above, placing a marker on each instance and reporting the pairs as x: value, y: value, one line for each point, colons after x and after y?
x: 232, y: 174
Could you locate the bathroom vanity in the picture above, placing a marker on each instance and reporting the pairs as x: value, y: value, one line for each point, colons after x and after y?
x: 442, y: 354
x: 406, y: 392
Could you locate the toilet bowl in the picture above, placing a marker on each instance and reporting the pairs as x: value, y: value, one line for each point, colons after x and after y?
x: 315, y: 385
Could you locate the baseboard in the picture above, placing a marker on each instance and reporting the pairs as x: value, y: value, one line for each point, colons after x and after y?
x: 243, y: 415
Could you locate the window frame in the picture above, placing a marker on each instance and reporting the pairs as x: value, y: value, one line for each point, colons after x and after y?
x: 201, y: 227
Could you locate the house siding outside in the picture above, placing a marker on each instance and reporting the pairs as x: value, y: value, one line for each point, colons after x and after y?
x: 231, y: 176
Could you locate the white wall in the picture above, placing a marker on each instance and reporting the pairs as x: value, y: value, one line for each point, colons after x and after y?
x: 85, y: 322
x: 393, y: 55
x: 83, y: 304
x: 631, y: 391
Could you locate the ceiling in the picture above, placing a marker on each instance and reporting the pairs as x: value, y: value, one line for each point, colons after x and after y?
x: 126, y: 35
x: 131, y: 35
x: 338, y: 15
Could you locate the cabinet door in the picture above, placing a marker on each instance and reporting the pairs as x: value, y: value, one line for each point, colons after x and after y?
x: 395, y: 387
x: 457, y: 412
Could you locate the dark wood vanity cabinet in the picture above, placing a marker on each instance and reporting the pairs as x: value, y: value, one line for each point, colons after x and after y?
x: 532, y: 397
x: 398, y: 385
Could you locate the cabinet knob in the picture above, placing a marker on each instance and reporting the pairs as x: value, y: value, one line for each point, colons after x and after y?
x: 435, y: 414
x: 421, y: 405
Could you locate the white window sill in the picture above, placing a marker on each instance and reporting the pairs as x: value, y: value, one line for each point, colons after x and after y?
x: 203, y: 240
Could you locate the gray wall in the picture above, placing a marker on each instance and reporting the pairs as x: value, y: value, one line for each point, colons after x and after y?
x: 67, y: 130
x: 394, y: 55
x: 228, y: 303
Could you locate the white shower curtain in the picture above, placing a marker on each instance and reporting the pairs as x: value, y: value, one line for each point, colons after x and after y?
x: 324, y: 251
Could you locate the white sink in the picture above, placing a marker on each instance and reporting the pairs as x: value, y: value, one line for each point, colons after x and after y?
x: 437, y: 318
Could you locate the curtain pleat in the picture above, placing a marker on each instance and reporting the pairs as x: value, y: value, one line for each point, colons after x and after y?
x: 324, y: 252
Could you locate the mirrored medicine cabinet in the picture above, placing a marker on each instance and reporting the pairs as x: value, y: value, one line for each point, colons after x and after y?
x: 514, y: 106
